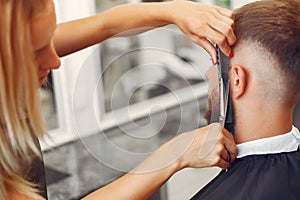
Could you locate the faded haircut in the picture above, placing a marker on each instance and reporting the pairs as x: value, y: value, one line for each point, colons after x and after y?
x: 275, y: 26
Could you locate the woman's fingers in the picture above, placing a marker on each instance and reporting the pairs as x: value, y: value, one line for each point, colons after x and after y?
x: 222, y: 34
x: 225, y: 12
x: 229, y: 144
x: 218, y: 32
x: 224, y: 26
x: 223, y: 164
x: 219, y: 39
x: 224, y: 149
x: 221, y: 157
x: 207, y: 45
x: 202, y: 22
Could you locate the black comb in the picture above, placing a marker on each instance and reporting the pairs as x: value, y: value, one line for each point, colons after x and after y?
x: 223, y: 74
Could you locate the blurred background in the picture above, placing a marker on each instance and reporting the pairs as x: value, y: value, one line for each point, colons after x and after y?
x: 111, y: 105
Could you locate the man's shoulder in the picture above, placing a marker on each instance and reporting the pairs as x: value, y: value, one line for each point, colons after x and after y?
x: 266, y: 176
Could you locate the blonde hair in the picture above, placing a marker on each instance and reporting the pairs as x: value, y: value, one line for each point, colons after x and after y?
x: 20, y: 117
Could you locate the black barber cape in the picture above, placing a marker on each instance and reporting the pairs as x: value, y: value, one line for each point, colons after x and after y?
x: 265, y: 169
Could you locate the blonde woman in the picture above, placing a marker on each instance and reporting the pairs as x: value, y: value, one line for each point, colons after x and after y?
x: 27, y: 54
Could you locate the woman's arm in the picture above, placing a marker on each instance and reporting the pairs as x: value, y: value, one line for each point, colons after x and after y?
x: 208, y: 146
x: 198, y: 21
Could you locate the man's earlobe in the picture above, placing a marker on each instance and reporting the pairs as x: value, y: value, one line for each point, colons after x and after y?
x: 239, y: 81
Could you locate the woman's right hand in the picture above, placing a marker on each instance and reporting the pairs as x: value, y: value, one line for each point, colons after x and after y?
x: 208, y: 146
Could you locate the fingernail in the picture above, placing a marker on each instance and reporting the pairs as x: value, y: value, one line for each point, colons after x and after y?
x: 213, y: 61
x: 231, y: 54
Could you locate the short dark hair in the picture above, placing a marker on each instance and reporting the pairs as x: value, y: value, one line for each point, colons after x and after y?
x: 274, y: 25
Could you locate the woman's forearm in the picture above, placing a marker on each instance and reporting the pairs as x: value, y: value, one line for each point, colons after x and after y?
x: 142, y: 181
x: 132, y: 18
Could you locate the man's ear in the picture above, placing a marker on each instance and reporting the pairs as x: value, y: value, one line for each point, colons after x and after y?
x: 238, y: 81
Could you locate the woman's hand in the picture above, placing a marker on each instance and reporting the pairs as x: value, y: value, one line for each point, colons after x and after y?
x: 203, y: 23
x: 209, y: 146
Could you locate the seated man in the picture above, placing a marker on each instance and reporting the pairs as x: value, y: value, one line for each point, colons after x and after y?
x: 265, y: 87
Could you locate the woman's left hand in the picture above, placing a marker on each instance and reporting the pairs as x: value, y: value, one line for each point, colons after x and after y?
x: 204, y: 23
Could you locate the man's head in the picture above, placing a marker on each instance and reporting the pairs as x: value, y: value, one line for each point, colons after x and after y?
x: 268, y: 51
x: 265, y: 71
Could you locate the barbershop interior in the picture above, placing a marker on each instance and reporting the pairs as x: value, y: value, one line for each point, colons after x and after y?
x: 109, y: 106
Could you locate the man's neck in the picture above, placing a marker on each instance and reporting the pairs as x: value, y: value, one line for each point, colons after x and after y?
x: 261, y: 123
